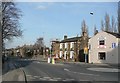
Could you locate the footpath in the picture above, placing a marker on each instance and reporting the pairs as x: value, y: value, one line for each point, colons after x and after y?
x: 11, y: 73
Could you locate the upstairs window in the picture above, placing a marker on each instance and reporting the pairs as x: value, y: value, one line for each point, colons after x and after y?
x: 101, y: 42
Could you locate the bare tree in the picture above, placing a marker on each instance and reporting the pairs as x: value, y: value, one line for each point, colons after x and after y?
x: 107, y: 22
x: 10, y: 21
x: 95, y: 30
x: 119, y: 17
x: 40, y: 42
x: 102, y: 25
x: 113, y: 25
x: 84, y: 28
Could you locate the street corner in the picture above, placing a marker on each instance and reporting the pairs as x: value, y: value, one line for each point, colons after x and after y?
x: 14, y: 75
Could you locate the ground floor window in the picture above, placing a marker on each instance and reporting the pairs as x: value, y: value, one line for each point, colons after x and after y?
x: 102, y: 55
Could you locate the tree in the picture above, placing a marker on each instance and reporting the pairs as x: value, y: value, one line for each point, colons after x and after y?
x: 113, y: 25
x: 107, y: 22
x: 119, y: 17
x: 40, y: 42
x: 95, y: 30
x: 102, y: 25
x: 84, y: 28
x: 10, y: 21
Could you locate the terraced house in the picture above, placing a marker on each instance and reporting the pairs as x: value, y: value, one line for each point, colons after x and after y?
x: 71, y: 48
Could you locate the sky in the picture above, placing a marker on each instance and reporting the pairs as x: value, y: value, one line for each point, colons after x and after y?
x: 53, y: 20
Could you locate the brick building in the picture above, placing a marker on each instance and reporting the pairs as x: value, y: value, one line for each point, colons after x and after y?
x: 71, y: 48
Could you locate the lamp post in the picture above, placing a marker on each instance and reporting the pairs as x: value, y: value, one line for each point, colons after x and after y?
x: 91, y: 13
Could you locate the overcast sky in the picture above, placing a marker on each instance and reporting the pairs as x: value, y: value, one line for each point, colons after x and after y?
x: 55, y: 19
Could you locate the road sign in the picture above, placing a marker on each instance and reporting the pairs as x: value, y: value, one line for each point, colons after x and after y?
x: 85, y: 50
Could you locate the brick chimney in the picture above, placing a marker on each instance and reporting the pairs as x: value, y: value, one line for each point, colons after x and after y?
x: 65, y: 37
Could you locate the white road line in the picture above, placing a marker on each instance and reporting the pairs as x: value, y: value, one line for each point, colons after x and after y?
x: 80, y: 73
x: 104, y: 69
x: 68, y: 79
x: 42, y: 79
x: 66, y: 69
x: 57, y: 78
x: 36, y: 76
x: 46, y: 77
x: 28, y: 75
x: 52, y: 80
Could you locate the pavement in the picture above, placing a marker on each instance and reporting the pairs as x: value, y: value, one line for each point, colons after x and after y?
x: 10, y: 73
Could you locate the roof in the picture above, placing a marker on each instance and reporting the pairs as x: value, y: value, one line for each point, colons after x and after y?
x: 56, y: 41
x: 117, y: 35
x: 73, y: 39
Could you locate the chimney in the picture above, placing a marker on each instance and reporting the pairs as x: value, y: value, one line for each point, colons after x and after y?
x: 65, y: 37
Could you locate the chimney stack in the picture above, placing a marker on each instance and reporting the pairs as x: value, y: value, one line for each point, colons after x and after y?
x: 65, y: 37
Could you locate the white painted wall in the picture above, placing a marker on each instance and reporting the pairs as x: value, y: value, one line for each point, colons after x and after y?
x: 111, y: 53
x: 71, y: 54
x: 66, y: 45
x: 61, y: 54
x: 71, y: 44
x: 61, y: 45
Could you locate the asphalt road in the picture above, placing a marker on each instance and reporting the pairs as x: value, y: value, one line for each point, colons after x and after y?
x: 43, y: 71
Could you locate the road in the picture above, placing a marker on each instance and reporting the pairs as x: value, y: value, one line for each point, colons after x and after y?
x: 43, y: 71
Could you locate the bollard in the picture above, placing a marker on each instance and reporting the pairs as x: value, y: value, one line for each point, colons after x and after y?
x: 53, y: 61
x: 48, y: 59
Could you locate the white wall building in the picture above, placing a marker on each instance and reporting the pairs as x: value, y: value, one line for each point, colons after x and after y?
x: 104, y: 47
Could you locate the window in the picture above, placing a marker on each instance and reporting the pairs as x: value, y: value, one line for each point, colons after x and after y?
x: 102, y: 55
x: 101, y: 42
x: 89, y: 46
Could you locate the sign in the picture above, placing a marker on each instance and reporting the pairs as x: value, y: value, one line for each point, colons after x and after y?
x: 85, y: 50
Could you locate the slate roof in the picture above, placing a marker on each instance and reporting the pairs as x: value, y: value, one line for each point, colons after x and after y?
x: 73, y: 39
x: 117, y: 35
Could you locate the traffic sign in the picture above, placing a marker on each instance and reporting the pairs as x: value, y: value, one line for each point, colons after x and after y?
x: 85, y: 50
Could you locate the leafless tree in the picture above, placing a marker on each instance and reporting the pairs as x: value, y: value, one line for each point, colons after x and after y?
x: 102, y: 25
x: 84, y: 28
x: 113, y: 25
x: 107, y: 22
x: 95, y: 30
x: 40, y: 42
x: 119, y: 17
x: 10, y: 21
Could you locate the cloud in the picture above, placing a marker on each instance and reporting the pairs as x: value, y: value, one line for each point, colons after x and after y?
x: 41, y: 7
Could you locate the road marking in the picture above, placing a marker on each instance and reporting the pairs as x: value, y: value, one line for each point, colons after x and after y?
x: 104, y: 69
x: 46, y: 77
x: 52, y: 80
x: 66, y: 69
x: 28, y: 75
x: 57, y: 78
x: 68, y: 79
x: 36, y: 76
x: 80, y: 73
x: 42, y: 79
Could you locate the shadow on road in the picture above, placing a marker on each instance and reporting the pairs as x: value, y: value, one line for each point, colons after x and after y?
x: 13, y: 63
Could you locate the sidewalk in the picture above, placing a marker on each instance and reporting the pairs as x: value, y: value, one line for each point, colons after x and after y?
x: 10, y: 73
